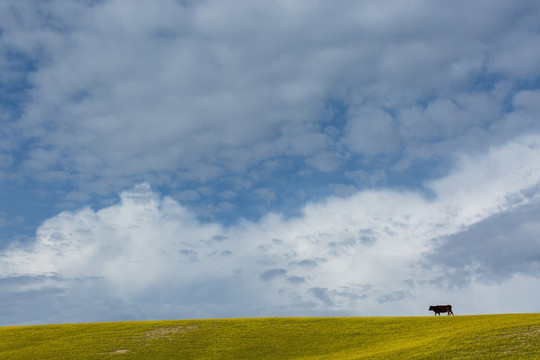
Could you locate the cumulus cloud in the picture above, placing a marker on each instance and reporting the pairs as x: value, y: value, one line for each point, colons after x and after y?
x: 375, y: 252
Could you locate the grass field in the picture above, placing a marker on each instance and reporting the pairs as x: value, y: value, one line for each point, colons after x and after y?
x: 513, y: 336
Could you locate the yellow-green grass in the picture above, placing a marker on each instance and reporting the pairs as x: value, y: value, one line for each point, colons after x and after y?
x: 445, y: 337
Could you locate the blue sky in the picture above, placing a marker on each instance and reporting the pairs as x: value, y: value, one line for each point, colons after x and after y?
x: 181, y: 159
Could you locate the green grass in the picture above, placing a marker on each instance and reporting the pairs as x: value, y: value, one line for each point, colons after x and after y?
x: 460, y: 337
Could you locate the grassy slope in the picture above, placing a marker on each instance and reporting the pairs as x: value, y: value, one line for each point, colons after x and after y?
x: 475, y: 337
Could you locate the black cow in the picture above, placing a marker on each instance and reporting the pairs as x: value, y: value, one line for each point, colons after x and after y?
x: 442, y: 309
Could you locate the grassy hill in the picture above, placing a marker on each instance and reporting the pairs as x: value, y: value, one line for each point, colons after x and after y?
x: 460, y: 337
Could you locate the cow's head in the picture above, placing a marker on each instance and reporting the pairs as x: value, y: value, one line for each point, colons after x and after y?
x: 431, y: 308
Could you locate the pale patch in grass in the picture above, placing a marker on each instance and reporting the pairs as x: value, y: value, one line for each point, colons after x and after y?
x: 167, y: 332
x: 530, y: 332
x: 119, y: 351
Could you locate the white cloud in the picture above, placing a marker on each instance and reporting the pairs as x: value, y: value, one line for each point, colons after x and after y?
x: 498, y: 180
x: 364, y: 254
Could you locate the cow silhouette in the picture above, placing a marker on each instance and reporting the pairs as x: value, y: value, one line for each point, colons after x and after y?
x: 438, y: 309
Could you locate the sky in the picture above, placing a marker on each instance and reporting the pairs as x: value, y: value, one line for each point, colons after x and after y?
x: 207, y: 159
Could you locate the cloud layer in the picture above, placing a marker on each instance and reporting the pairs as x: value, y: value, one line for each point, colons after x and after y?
x: 171, y: 92
x: 375, y: 252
